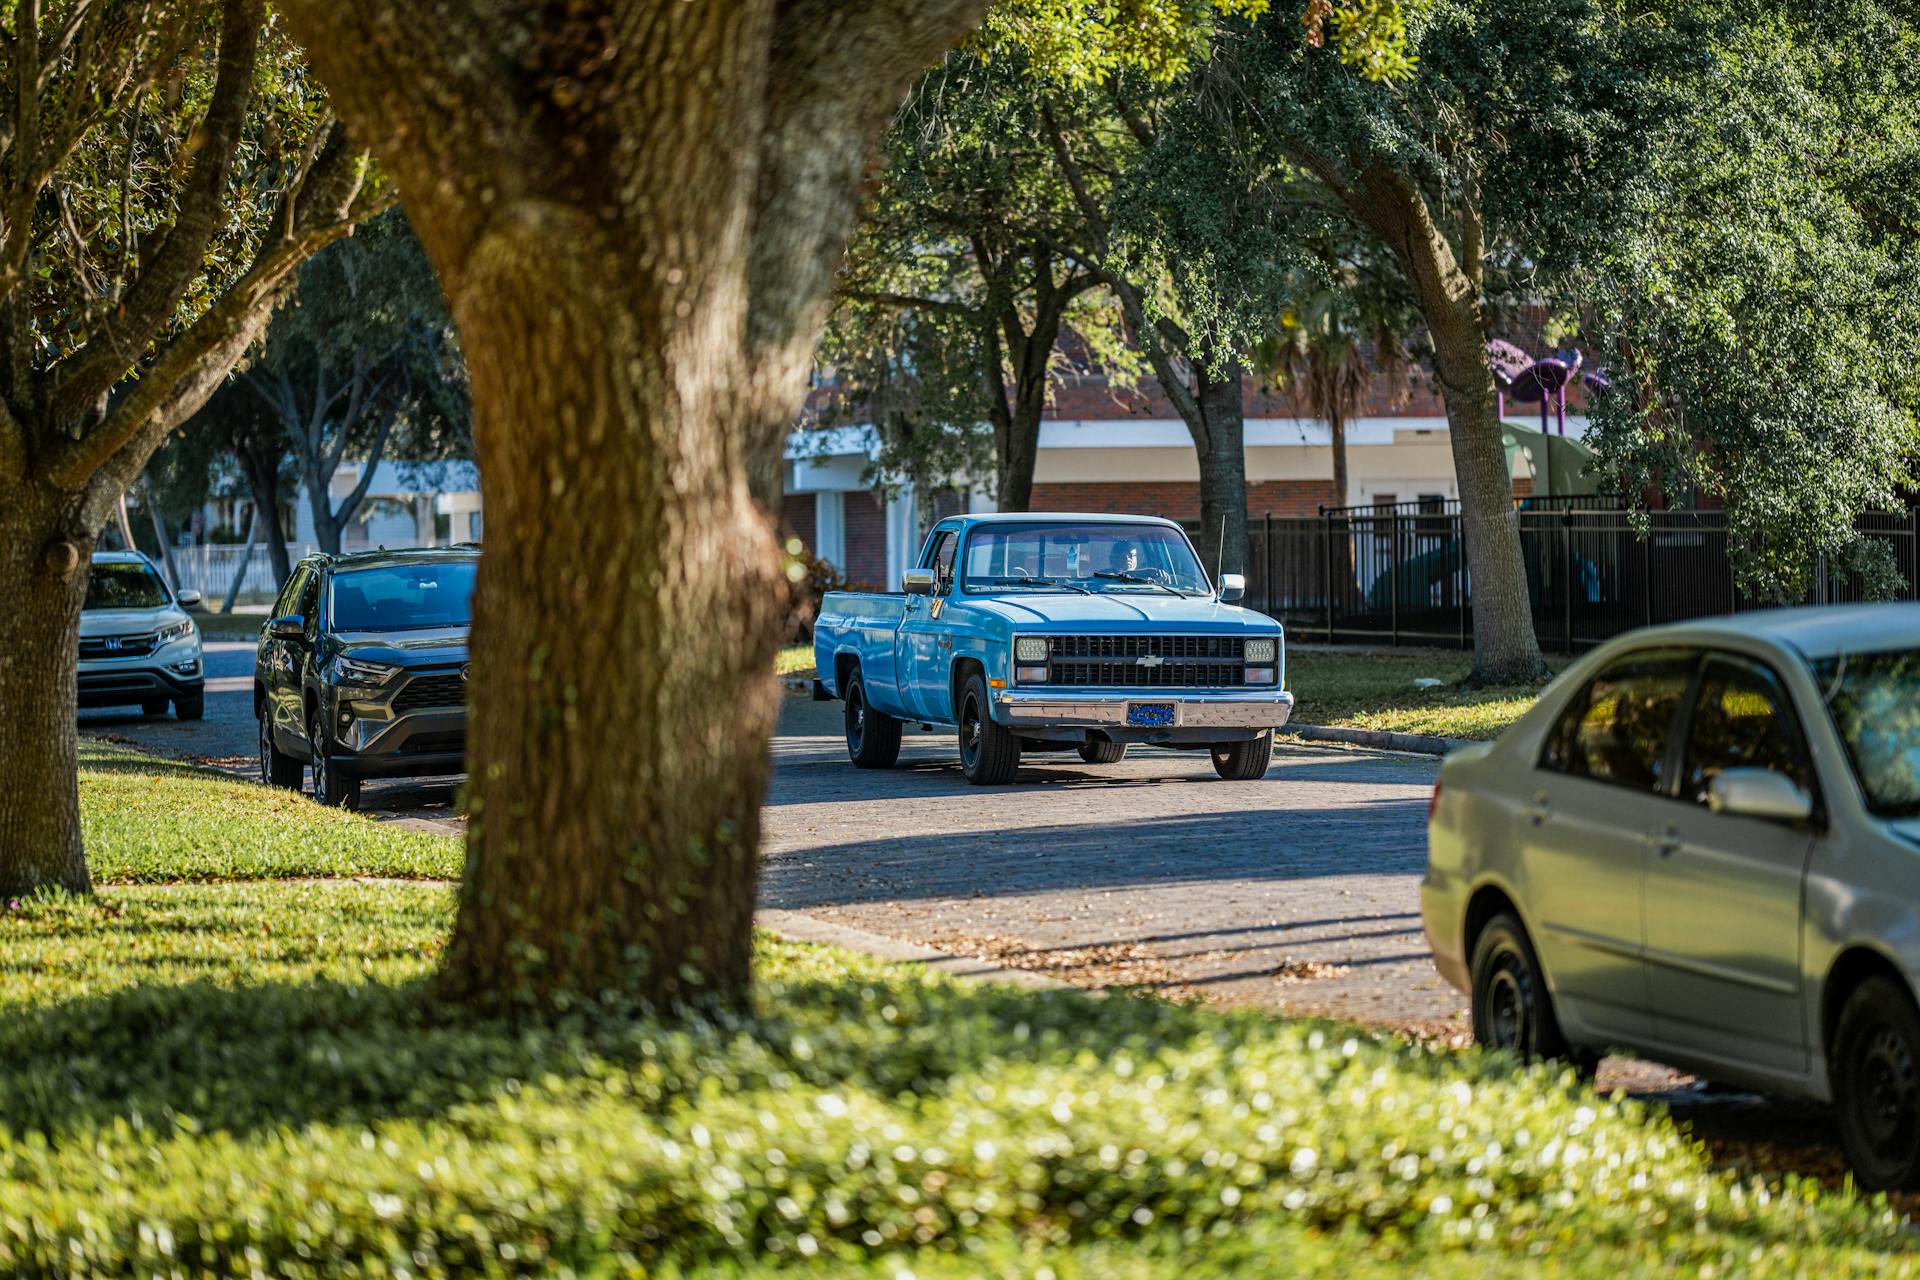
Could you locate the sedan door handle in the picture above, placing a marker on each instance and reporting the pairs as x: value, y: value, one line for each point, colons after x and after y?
x: 1667, y: 843
x: 1539, y: 811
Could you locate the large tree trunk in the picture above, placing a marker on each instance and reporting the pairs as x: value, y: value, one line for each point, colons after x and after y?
x: 263, y: 481
x: 1220, y: 439
x: 1340, y: 562
x: 1505, y: 649
x: 636, y: 211
x: 43, y: 579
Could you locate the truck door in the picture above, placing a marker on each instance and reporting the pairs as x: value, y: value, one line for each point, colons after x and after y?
x: 926, y: 642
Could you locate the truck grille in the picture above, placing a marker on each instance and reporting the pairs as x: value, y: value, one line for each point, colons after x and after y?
x: 1185, y: 662
x: 429, y: 692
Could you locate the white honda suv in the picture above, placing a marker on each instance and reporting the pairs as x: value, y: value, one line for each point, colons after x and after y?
x: 137, y: 644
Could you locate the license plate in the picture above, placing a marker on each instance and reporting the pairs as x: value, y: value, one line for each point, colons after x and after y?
x: 1151, y: 715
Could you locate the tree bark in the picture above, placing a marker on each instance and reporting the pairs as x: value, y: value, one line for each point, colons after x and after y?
x: 1219, y: 439
x: 636, y: 211
x: 160, y: 533
x: 1505, y: 649
x: 1341, y: 552
x: 43, y: 578
x: 262, y: 469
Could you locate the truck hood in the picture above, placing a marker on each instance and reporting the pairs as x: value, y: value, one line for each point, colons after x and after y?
x: 1115, y: 611
x: 422, y: 648
x: 128, y: 622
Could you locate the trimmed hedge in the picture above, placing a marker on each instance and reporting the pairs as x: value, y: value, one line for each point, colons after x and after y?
x: 255, y: 1078
x: 145, y: 818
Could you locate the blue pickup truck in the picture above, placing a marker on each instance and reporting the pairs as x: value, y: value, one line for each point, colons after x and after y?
x: 1056, y: 632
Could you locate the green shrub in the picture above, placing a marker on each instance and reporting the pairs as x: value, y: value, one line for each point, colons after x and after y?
x: 147, y: 818
x: 255, y: 1077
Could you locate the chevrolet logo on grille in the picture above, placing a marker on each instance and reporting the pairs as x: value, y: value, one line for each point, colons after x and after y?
x: 1151, y: 660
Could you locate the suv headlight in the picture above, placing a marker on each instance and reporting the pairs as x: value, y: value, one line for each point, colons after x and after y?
x: 173, y: 631
x: 1030, y: 649
x: 354, y: 671
x: 1260, y: 651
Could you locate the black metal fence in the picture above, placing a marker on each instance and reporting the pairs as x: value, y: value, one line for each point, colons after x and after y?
x: 1397, y: 575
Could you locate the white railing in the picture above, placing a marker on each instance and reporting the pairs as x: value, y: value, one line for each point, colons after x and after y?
x: 209, y: 569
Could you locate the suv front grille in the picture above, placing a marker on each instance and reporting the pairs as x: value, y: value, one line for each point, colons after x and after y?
x: 424, y: 693
x: 1184, y: 662
x: 96, y: 647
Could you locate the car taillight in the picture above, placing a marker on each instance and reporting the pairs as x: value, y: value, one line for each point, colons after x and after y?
x: 1433, y: 804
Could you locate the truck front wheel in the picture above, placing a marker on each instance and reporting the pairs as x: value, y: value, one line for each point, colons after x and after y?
x: 873, y: 737
x: 1243, y: 761
x: 989, y: 752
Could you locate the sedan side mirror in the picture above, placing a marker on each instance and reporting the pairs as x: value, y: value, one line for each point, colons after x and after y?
x: 188, y: 598
x: 1759, y: 793
x: 1232, y: 587
x: 290, y: 627
x: 917, y: 582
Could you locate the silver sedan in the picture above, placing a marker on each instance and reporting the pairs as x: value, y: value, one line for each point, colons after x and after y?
x: 1702, y: 846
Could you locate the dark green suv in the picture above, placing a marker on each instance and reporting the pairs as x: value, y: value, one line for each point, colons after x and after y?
x: 362, y: 671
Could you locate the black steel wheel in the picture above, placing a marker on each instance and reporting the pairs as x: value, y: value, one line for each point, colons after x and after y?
x: 1512, y: 1008
x: 989, y: 752
x: 873, y: 737
x: 1876, y: 1085
x: 277, y: 768
x: 331, y: 787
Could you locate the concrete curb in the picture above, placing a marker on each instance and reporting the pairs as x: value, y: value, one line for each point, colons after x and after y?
x: 1379, y: 740
x: 795, y: 927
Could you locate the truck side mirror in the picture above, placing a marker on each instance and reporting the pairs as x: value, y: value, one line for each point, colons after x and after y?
x: 1232, y: 587
x: 917, y: 582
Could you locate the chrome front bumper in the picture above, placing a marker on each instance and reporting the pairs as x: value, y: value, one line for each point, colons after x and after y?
x: 1105, y: 709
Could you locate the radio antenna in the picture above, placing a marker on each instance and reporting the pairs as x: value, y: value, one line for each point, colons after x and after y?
x: 1220, y: 553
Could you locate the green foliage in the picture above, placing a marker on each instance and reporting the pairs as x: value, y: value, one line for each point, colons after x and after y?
x: 146, y: 818
x: 1759, y: 313
x: 254, y: 1077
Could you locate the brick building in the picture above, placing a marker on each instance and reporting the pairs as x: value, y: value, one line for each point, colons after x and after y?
x: 1124, y: 450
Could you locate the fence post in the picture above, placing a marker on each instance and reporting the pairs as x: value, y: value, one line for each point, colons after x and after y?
x: 1566, y: 581
x: 1460, y: 573
x: 1266, y: 559
x: 1326, y: 549
x: 1393, y: 574
x: 1646, y: 570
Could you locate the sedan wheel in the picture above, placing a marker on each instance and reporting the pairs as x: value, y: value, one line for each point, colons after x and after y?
x: 1512, y: 1008
x: 1876, y: 1079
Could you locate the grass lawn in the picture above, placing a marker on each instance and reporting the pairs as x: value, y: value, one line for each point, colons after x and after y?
x: 1374, y: 689
x: 147, y: 818
x: 254, y: 1076
x: 794, y: 660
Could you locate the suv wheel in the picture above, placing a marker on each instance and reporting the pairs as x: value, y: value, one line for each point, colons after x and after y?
x: 153, y: 706
x: 1512, y: 1008
x: 1103, y: 752
x: 1876, y: 1085
x: 873, y: 737
x: 1243, y: 761
x: 192, y: 706
x: 330, y: 787
x: 277, y: 768
x: 989, y: 752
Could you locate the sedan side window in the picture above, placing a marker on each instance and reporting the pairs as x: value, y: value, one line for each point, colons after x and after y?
x: 1741, y: 720
x: 1618, y: 728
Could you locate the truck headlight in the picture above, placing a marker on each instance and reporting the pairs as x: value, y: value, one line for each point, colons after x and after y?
x: 173, y: 631
x: 1260, y: 651
x: 354, y: 671
x: 1030, y: 649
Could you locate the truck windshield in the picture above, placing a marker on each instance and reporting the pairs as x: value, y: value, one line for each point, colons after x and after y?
x: 125, y: 584
x: 1066, y: 556
x: 1874, y: 699
x: 404, y: 597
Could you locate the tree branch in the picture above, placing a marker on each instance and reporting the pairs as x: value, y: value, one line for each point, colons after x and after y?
x: 881, y: 297
x: 351, y: 503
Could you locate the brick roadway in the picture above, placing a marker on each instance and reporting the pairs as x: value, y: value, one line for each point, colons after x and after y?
x: 1298, y: 891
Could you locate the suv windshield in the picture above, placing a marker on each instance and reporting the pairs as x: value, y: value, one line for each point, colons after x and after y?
x: 125, y: 585
x: 404, y: 597
x: 1065, y: 556
x: 1874, y: 699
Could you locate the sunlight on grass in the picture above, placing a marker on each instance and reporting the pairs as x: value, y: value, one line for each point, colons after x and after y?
x: 1374, y: 689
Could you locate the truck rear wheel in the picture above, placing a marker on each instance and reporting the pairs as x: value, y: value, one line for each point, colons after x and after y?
x: 1103, y: 752
x: 989, y: 752
x: 1243, y: 761
x: 873, y: 737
